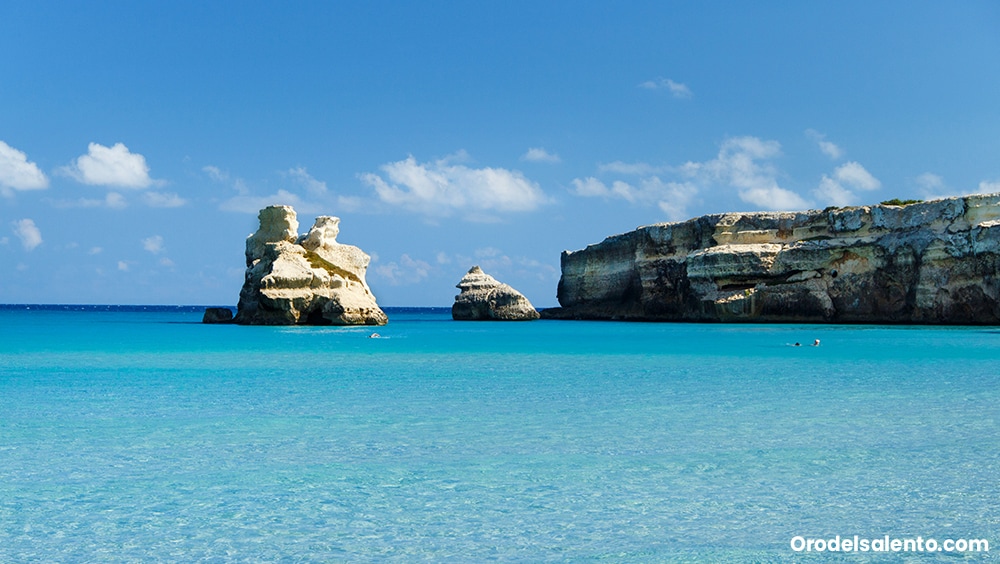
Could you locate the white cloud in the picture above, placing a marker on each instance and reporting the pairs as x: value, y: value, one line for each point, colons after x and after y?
x: 163, y: 200
x: 123, y: 266
x: 929, y: 181
x: 441, y: 188
x: 831, y: 150
x: 638, y: 169
x: 837, y: 190
x: 111, y: 166
x: 95, y: 251
x: 222, y: 177
x: 245, y: 202
x: 216, y: 174
x: 28, y: 233
x: 313, y: 186
x: 112, y: 200
x: 832, y: 193
x: 933, y: 186
x: 774, y: 198
x: 828, y: 148
x: 590, y: 187
x: 167, y: 262
x: 743, y: 164
x: 17, y: 172
x: 153, y: 244
x: 406, y: 271
x: 677, y: 89
x: 494, y: 261
x: 986, y: 187
x: 487, y: 252
x: 673, y: 198
x: 115, y: 200
x: 540, y: 155
x: 350, y: 203
x: 855, y: 175
x: 253, y: 204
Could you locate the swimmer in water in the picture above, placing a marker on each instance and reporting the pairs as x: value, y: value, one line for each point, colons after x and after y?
x: 374, y: 336
x: 816, y: 343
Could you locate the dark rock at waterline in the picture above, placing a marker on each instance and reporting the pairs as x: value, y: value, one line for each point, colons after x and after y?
x: 217, y: 315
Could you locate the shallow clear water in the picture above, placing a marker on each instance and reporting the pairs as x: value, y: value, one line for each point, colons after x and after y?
x: 147, y: 436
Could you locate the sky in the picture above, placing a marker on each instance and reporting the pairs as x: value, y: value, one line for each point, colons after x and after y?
x: 138, y: 140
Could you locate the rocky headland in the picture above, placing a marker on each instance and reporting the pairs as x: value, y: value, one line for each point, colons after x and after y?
x: 304, y: 280
x: 933, y: 262
x: 484, y: 298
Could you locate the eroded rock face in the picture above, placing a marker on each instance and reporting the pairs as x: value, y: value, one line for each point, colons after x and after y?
x: 307, y: 280
x: 934, y: 262
x: 484, y: 298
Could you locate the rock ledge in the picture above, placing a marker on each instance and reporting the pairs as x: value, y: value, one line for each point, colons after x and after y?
x: 935, y: 262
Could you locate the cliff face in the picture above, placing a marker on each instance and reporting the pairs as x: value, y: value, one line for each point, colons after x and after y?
x: 932, y: 262
x: 307, y: 280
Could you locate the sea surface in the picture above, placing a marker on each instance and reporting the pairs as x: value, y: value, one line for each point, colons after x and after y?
x: 142, y: 435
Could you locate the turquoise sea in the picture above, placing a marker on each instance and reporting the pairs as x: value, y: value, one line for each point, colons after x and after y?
x: 141, y: 435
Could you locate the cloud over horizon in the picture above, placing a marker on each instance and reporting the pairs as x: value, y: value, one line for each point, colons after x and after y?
x: 673, y: 198
x: 406, y: 271
x: 742, y: 163
x: 110, y: 166
x: 989, y: 187
x: 17, y: 172
x: 838, y: 190
x: 441, y: 188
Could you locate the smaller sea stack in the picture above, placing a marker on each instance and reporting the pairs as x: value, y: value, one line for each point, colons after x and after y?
x: 484, y: 298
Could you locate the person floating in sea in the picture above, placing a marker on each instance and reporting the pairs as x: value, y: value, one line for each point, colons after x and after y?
x: 816, y: 343
x: 374, y: 336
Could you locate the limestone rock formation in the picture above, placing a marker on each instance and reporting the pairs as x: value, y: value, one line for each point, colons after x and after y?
x: 307, y: 280
x: 935, y: 262
x: 484, y: 298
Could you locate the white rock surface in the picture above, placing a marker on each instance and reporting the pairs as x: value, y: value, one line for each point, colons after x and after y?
x: 485, y: 298
x: 308, y: 280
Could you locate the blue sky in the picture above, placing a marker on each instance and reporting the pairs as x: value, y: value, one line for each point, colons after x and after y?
x: 139, y: 139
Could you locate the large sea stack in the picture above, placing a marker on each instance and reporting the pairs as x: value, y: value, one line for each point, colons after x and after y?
x: 307, y: 280
x: 934, y: 262
x: 484, y: 298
